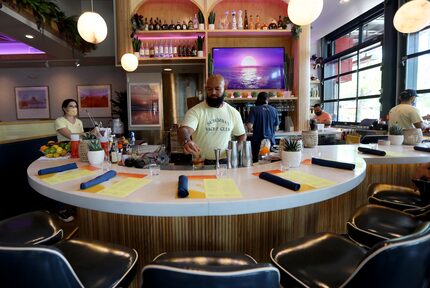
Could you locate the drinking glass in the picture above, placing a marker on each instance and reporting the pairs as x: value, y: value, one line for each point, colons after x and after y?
x: 221, y: 171
x: 198, y: 160
x: 154, y: 169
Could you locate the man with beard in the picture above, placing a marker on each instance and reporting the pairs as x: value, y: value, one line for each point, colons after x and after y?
x: 211, y: 123
x: 321, y: 116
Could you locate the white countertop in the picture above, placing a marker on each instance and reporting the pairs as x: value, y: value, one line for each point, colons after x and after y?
x: 158, y: 198
x: 282, y: 133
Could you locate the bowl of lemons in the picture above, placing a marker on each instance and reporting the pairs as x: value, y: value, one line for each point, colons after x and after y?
x: 54, y: 149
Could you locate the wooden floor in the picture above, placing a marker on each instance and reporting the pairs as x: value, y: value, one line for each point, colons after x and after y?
x: 254, y: 234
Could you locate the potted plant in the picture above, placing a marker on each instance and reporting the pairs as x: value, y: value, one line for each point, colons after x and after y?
x: 295, y: 31
x: 83, y: 146
x: 96, y: 154
x: 396, y: 134
x: 211, y: 20
x: 201, y: 19
x: 135, y: 42
x: 236, y: 94
x: 291, y: 154
x: 254, y: 94
x: 199, y: 43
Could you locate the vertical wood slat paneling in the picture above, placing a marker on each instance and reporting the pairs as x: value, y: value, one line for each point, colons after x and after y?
x: 254, y: 234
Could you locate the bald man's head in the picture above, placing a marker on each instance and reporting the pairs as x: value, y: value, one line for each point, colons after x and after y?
x: 215, y: 86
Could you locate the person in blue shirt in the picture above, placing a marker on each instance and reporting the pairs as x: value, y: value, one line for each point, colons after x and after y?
x: 263, y: 121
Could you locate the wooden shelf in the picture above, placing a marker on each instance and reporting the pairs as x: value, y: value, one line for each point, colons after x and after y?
x: 146, y: 61
x: 273, y: 99
x: 248, y: 33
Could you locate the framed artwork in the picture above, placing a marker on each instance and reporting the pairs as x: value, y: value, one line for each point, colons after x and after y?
x: 145, y: 100
x: 32, y: 102
x: 94, y: 100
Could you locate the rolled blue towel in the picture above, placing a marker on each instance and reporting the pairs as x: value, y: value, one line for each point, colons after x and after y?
x: 56, y: 169
x: 99, y: 179
x: 280, y: 181
x: 423, y: 148
x: 183, y: 186
x: 333, y: 164
x: 371, y: 151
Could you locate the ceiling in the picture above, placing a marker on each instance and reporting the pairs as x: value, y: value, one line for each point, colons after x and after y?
x: 58, y: 53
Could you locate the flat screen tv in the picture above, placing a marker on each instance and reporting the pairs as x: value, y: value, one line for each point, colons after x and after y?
x: 250, y: 68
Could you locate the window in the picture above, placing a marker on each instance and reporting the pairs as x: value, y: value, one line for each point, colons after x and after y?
x: 352, y: 75
x: 417, y: 62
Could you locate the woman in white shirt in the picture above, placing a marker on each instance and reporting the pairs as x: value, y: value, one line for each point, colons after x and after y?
x: 69, y: 123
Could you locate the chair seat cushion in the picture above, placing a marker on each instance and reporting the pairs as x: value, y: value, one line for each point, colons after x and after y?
x: 323, y: 259
x: 100, y: 264
x: 38, y: 227
x: 371, y: 224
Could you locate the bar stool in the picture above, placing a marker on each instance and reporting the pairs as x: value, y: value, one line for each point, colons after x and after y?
x: 371, y: 224
x: 38, y: 227
x: 331, y: 260
x: 208, y: 269
x: 72, y: 263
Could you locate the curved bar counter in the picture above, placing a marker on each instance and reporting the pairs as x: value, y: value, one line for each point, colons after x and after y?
x: 266, y: 216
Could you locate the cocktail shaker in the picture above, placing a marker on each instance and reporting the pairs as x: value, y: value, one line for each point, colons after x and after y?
x: 246, y: 154
x: 232, y: 145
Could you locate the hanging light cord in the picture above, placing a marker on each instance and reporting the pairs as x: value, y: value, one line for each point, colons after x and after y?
x: 92, y: 9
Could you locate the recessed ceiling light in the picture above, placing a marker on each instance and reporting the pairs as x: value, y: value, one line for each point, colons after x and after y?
x: 29, y: 36
x: 343, y: 1
x: 167, y: 69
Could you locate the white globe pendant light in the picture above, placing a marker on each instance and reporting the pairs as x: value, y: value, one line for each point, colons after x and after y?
x: 304, y: 12
x: 129, y: 62
x: 412, y: 16
x: 92, y: 27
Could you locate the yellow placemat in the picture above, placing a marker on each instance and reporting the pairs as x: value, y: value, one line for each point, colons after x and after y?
x: 395, y: 154
x: 307, y: 181
x: 124, y: 187
x: 221, y: 188
x: 57, y: 178
x: 196, y: 187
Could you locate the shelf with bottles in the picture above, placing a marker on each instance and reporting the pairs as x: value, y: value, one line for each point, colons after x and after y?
x: 248, y: 33
x: 253, y: 99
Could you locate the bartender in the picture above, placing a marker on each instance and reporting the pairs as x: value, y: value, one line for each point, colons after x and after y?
x: 211, y: 124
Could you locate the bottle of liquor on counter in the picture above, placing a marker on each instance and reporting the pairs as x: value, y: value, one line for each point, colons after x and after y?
x: 178, y: 25
x: 184, y: 25
x: 195, y: 22
x: 171, y: 26
x: 257, y: 22
x: 146, y: 24
x: 165, y: 25
x: 114, y: 153
x: 151, y: 24
x: 245, y: 22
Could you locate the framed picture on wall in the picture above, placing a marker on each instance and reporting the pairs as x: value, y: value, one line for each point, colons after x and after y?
x: 32, y: 102
x: 94, y: 100
x: 145, y: 105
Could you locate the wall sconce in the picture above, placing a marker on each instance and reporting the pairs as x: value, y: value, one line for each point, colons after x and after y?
x: 412, y: 16
x: 304, y: 12
x: 92, y: 27
x: 129, y: 62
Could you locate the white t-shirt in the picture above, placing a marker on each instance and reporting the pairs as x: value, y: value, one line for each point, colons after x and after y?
x: 405, y: 115
x: 62, y: 122
x: 213, y: 127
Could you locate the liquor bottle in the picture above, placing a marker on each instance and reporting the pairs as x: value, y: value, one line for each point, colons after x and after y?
x: 273, y: 25
x: 184, y: 25
x: 165, y: 25
x: 147, y: 50
x: 146, y: 25
x: 194, y: 51
x: 179, y: 49
x: 251, y: 23
x: 157, y: 24
x: 178, y: 25
x: 264, y: 26
x: 175, y: 50
x: 161, y: 50
x: 257, y: 22
x: 156, y: 52
x: 171, y: 26
x: 195, y: 22
x: 233, y: 20
x: 166, y: 50
x: 113, y: 153
x: 152, y: 51
x: 239, y: 20
x: 245, y: 22
x: 170, y: 50
x: 141, y: 50
x: 190, y: 24
x: 280, y: 22
x: 190, y: 50
x: 151, y: 24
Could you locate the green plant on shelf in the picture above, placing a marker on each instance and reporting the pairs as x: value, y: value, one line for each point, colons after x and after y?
x: 201, y: 17
x: 236, y: 94
x: 211, y: 18
x: 254, y: 94
x: 295, y: 31
x: 135, y: 42
x: 199, y: 42
x: 136, y: 23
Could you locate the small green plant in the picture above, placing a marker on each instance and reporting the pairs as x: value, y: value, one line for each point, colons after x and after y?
x: 271, y: 94
x: 396, y: 129
x: 199, y: 42
x: 88, y: 136
x: 136, y: 23
x: 201, y: 17
x: 291, y: 145
x: 295, y: 31
x: 136, y: 44
x: 254, y: 94
x: 211, y: 18
x: 236, y: 94
x: 94, y: 145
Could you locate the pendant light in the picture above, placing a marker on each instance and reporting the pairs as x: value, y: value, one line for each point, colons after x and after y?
x: 92, y: 27
x: 304, y: 12
x: 412, y: 16
x: 129, y: 62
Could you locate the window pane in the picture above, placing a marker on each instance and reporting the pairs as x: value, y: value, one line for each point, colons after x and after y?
x: 418, y: 42
x: 368, y: 108
x: 347, y: 111
x: 330, y: 89
x: 423, y: 103
x: 370, y: 82
x: 330, y: 68
x: 348, y: 86
x: 373, y: 28
x: 348, y: 63
x: 371, y: 56
x: 331, y: 108
x: 347, y: 41
x: 418, y: 71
